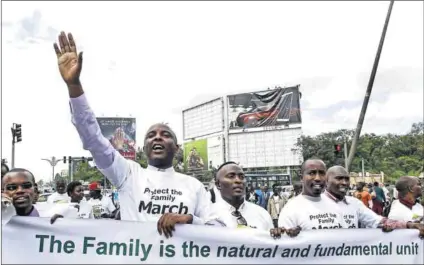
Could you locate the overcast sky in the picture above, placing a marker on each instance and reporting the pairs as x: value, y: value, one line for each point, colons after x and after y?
x: 150, y: 60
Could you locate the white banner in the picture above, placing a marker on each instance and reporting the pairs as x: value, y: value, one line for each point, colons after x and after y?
x: 30, y: 240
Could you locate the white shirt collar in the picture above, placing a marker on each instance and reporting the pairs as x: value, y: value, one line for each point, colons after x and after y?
x: 231, y: 208
x: 170, y: 169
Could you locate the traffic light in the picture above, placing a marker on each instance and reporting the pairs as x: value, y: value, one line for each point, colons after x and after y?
x: 64, y: 159
x: 337, y: 149
x: 18, y: 132
x: 83, y: 159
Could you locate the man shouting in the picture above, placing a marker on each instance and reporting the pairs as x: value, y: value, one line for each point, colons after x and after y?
x: 158, y: 193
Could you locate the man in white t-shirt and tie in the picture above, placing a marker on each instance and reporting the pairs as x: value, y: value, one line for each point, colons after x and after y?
x: 155, y: 194
x: 232, y: 208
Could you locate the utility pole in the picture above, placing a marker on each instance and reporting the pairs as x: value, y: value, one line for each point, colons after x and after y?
x: 16, y: 138
x: 369, y: 89
x: 345, y: 154
x: 363, y: 167
x: 53, y: 162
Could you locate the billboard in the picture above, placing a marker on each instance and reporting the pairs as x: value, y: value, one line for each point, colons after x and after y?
x: 196, y: 155
x: 265, y: 148
x: 121, y: 134
x: 266, y: 108
x: 215, y: 151
x: 204, y: 119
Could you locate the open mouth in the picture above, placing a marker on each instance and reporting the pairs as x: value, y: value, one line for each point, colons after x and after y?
x: 21, y: 199
x: 158, y: 148
x: 317, y: 186
x: 343, y: 189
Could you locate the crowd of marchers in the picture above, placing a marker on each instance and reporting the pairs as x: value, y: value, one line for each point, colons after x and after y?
x: 160, y: 194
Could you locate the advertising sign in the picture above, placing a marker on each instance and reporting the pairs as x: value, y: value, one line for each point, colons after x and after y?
x: 121, y: 134
x: 196, y: 155
x: 215, y: 151
x: 266, y: 108
x: 203, y: 119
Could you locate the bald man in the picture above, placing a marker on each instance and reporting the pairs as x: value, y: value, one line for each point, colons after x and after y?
x: 406, y: 207
x: 333, y: 210
x: 351, y: 210
x: 155, y: 194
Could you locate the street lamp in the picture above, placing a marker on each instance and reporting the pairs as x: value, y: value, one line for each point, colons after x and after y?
x: 53, y: 162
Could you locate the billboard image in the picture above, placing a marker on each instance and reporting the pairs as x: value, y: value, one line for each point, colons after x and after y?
x: 196, y: 155
x: 121, y: 134
x: 266, y: 108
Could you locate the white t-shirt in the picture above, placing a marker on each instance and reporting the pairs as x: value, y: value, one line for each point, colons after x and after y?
x: 58, y: 198
x: 255, y: 216
x: 85, y: 210
x: 147, y: 194
x: 324, y: 213
x: 105, y: 205
x: 400, y: 212
x: 217, y: 194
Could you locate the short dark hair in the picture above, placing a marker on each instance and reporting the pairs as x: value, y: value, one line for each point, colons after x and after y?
x: 71, y: 187
x: 23, y: 170
x: 302, y: 167
x: 223, y: 165
x: 174, y: 136
x: 376, y: 183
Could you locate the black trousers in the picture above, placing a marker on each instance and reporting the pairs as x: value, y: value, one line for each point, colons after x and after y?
x: 275, y: 221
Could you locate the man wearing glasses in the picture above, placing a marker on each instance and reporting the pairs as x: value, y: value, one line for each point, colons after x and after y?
x: 233, y: 209
x: 18, y: 188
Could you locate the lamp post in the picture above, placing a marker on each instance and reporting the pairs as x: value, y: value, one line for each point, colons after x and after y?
x: 53, y: 162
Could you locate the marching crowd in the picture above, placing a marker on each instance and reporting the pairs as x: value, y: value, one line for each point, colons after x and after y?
x: 160, y: 194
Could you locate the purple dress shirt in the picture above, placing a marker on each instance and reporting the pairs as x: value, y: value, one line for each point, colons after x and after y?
x: 89, y: 131
x: 34, y: 212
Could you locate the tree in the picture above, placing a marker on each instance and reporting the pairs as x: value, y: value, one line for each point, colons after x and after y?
x: 87, y: 173
x: 40, y: 183
x: 57, y: 177
x: 395, y: 155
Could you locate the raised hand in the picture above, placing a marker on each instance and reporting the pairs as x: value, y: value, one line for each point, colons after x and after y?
x: 69, y: 61
x: 118, y: 139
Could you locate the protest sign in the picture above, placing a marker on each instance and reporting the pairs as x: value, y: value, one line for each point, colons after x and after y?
x: 76, y: 241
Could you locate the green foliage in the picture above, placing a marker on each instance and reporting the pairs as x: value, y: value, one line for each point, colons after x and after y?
x: 86, y: 173
x: 395, y: 155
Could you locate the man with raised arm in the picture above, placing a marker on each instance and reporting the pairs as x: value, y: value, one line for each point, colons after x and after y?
x: 156, y: 194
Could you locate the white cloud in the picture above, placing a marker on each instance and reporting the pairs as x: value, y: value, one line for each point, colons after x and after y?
x: 151, y: 59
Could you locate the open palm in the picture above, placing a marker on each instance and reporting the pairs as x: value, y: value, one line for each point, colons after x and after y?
x: 69, y: 61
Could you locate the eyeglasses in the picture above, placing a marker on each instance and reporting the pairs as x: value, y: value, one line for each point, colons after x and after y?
x: 240, y: 218
x: 13, y: 187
